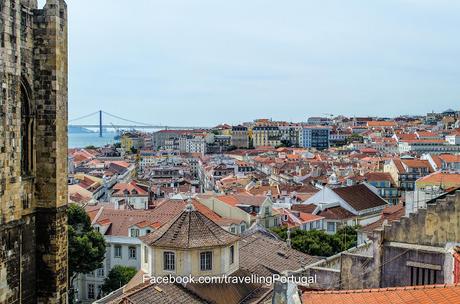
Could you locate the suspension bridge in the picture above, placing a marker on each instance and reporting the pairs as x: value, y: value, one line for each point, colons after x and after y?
x: 125, y: 123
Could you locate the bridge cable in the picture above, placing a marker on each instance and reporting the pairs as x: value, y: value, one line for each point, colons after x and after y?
x: 127, y: 120
x: 84, y: 116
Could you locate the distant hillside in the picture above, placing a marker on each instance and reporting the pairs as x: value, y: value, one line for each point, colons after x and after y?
x: 72, y: 129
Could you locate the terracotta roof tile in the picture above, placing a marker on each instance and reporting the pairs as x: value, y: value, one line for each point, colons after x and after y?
x: 360, y: 197
x: 439, y: 294
x: 190, y: 229
x: 264, y: 255
x: 336, y: 213
x: 242, y: 199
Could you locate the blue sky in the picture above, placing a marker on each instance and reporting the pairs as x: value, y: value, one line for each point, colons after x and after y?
x: 203, y: 62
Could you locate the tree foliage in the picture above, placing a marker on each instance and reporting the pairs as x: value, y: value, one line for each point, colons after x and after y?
x: 133, y: 150
x: 118, y: 277
x: 86, y: 245
x: 355, y: 138
x: 318, y: 242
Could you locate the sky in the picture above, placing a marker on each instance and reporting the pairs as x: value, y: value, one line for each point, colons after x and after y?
x: 205, y: 62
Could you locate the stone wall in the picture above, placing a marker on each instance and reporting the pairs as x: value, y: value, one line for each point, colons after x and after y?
x: 421, y: 238
x: 357, y: 272
x: 436, y: 225
x: 33, y: 76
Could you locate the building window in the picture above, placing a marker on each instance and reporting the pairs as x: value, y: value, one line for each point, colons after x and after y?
x: 134, y: 232
x: 100, y: 272
x: 243, y: 228
x: 99, y: 291
x: 132, y: 253
x: 206, y: 261
x: 169, y: 261
x: 117, y: 252
x: 233, y: 230
x: 91, y: 291
x: 146, y: 254
x: 422, y: 276
x: 330, y: 227
x: 232, y: 254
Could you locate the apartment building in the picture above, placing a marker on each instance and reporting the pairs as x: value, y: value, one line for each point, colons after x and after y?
x: 240, y: 137
x: 266, y: 136
x: 314, y: 137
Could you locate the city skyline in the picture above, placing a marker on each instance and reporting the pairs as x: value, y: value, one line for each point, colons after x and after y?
x: 205, y: 63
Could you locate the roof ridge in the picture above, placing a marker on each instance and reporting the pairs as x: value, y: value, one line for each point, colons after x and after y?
x: 165, y: 228
x: 207, y: 226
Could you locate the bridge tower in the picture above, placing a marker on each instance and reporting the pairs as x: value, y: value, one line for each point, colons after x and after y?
x: 100, y: 123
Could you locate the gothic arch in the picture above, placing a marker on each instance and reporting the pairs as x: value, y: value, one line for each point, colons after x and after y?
x: 27, y: 129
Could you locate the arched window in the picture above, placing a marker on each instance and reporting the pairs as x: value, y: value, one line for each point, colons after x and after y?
x: 27, y: 130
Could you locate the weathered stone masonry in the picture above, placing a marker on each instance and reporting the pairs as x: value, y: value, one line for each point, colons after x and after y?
x: 33, y: 152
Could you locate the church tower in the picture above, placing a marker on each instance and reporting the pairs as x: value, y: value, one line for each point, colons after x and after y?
x: 33, y: 152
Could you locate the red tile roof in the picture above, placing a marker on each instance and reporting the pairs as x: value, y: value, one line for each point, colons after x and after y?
x: 360, y: 197
x: 404, y: 137
x: 381, y: 124
x: 430, y: 141
x: 439, y: 294
x: 378, y: 176
x: 190, y: 229
x: 450, y: 158
x: 132, y: 188
x: 304, y: 208
x: 426, y: 134
x: 336, y: 213
x: 234, y: 200
x: 389, y: 214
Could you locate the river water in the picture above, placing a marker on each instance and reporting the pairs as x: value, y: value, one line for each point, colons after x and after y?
x: 81, y: 140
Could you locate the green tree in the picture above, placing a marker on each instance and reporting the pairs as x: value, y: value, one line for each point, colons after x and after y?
x: 285, y: 143
x: 91, y: 147
x: 86, y: 245
x: 355, y: 138
x: 347, y: 237
x: 318, y: 242
x: 118, y: 277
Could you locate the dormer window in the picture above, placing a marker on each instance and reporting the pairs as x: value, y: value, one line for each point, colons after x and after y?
x: 285, y: 217
x: 243, y: 227
x: 134, y: 232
